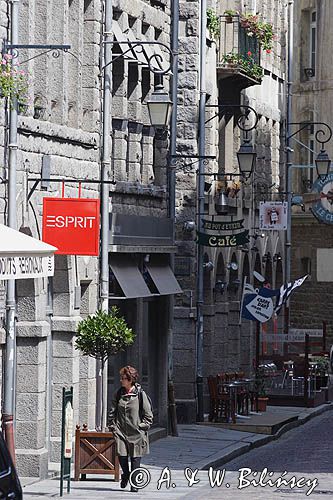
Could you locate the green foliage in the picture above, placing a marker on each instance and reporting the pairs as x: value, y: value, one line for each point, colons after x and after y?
x: 246, y: 63
x: 213, y: 23
x: 230, y: 13
x: 103, y: 334
x: 260, y: 30
x: 13, y: 80
x: 322, y: 365
x: 260, y: 382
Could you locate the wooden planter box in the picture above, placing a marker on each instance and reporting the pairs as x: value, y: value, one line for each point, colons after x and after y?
x: 95, y: 453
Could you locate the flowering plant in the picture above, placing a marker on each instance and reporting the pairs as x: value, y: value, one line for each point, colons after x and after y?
x: 13, y: 80
x: 260, y: 30
x: 246, y: 63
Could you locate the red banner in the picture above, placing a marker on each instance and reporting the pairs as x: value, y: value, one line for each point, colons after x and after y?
x: 71, y: 225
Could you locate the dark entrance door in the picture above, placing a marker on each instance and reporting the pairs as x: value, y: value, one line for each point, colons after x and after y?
x: 148, y: 318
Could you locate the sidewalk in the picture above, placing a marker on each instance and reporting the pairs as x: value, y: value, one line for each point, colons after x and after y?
x: 197, y: 447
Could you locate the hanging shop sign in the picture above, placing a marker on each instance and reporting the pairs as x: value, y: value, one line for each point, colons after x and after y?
x: 222, y: 226
x: 273, y: 215
x: 230, y: 240
x: 72, y: 225
x: 322, y: 207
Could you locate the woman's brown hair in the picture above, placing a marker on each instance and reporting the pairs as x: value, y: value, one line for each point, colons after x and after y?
x: 130, y: 373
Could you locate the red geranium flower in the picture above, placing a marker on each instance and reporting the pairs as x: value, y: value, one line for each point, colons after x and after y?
x: 249, y: 53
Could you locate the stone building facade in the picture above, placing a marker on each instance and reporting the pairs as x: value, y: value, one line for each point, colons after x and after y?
x: 62, y: 128
x: 229, y: 345
x: 311, y: 102
x: 59, y: 135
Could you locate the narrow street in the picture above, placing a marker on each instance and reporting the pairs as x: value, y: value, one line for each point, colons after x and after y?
x: 305, y: 452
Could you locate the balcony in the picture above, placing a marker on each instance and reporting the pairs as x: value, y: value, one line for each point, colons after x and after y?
x: 238, y: 57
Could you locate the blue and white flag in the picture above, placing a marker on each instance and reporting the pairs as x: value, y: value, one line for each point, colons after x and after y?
x: 257, y: 304
x: 285, y: 292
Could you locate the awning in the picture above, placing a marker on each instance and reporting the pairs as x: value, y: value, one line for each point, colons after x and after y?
x: 163, y: 278
x: 129, y: 277
x: 22, y: 256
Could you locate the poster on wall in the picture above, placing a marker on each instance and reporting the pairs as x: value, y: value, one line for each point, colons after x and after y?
x: 273, y: 215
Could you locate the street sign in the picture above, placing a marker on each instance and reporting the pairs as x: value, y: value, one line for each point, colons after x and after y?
x: 72, y: 225
x: 312, y: 332
x: 19, y: 267
x: 295, y: 335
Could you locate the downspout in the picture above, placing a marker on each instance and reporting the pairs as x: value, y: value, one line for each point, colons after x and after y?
x: 101, y: 374
x: 288, y: 152
x: 172, y: 209
x: 201, y: 207
x: 10, y: 357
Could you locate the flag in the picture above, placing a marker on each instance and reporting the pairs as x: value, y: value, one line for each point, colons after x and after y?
x: 257, y: 304
x: 286, y: 291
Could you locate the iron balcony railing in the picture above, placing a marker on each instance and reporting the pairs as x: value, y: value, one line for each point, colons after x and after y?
x: 236, y: 47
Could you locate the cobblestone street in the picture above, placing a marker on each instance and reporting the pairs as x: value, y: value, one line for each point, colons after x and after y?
x: 307, y: 449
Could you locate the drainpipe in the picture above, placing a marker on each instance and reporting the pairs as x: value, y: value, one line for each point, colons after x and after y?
x: 172, y: 209
x: 201, y: 207
x: 288, y: 152
x: 101, y: 375
x: 10, y: 357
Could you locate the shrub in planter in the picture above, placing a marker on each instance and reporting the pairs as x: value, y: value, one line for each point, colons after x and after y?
x: 260, y: 389
x: 245, y: 63
x: 229, y: 14
x: 101, y: 335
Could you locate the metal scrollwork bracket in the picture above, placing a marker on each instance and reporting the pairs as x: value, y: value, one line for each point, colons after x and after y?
x: 54, y: 49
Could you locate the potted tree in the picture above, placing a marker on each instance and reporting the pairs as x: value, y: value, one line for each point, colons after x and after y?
x: 99, y: 336
x: 103, y: 334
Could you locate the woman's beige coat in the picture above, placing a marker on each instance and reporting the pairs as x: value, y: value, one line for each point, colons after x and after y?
x: 131, y: 433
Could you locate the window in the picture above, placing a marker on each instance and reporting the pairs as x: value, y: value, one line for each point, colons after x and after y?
x: 311, y: 145
x: 313, y: 41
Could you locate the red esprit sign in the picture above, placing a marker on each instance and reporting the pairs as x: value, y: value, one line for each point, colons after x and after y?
x: 71, y: 225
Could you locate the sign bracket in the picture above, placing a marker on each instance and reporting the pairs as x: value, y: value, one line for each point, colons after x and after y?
x: 37, y: 180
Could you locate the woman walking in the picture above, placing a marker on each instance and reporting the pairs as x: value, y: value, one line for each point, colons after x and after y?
x: 130, y: 418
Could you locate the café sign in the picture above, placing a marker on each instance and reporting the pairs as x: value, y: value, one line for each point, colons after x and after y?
x: 223, y: 226
x: 229, y: 240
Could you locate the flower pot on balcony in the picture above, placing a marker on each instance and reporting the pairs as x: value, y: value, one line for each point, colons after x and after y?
x: 262, y: 404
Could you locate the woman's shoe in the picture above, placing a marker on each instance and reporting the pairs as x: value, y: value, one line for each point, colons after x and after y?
x: 124, y: 480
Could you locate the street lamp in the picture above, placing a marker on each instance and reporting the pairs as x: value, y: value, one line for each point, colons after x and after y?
x: 246, y: 156
x: 159, y: 106
x: 323, y: 163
